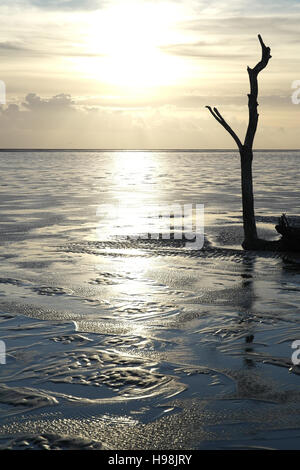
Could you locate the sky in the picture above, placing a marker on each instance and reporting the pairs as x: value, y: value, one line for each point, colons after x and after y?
x: 127, y: 74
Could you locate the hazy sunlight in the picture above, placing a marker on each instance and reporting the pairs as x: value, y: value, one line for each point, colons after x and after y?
x: 128, y: 39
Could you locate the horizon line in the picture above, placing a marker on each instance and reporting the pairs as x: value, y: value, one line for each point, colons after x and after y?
x: 28, y: 149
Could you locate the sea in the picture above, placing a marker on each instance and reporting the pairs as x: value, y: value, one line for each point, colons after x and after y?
x: 130, y: 315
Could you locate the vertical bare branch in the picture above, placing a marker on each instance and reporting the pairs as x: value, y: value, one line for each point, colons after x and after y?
x: 252, y: 97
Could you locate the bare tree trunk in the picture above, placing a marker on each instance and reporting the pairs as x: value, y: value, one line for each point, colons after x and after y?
x: 251, y: 240
x: 250, y: 232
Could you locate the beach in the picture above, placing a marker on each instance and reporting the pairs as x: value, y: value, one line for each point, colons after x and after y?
x: 115, y: 340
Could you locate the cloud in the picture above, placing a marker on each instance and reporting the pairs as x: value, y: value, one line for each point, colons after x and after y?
x: 61, y: 121
x: 58, y: 102
x: 10, y: 46
x: 201, y: 49
x: 34, y: 50
x: 233, y: 39
x: 239, y: 29
x: 223, y: 8
x: 68, y: 4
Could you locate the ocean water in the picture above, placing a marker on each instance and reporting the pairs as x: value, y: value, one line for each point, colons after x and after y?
x: 117, y: 341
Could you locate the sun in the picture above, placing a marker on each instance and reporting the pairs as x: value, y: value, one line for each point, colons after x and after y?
x: 126, y: 40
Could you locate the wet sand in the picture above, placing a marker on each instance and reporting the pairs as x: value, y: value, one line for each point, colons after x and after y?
x: 117, y: 343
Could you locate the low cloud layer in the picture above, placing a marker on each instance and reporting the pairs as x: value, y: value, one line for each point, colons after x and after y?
x: 62, y: 122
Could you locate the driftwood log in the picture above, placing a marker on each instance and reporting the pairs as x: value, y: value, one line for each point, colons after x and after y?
x: 290, y: 233
x: 251, y: 240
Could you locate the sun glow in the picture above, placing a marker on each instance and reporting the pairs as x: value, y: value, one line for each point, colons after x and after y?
x: 126, y: 43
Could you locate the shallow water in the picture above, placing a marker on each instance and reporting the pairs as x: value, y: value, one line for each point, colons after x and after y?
x: 117, y: 342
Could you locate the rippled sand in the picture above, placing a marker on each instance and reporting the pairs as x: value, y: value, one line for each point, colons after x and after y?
x: 115, y: 342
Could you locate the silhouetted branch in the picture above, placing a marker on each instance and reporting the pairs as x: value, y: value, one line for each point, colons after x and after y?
x: 252, y: 97
x: 217, y: 115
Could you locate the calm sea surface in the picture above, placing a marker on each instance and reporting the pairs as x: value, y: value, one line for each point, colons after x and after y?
x: 114, y: 341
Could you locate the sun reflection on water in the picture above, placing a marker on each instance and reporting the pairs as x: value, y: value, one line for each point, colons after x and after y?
x: 134, y: 169
x: 135, y: 191
x: 126, y: 218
